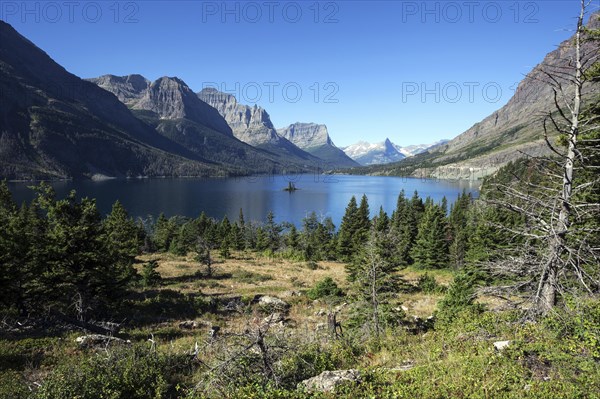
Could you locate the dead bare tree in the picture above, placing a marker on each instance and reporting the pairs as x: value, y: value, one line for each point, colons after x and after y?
x: 560, y: 233
x: 235, y: 357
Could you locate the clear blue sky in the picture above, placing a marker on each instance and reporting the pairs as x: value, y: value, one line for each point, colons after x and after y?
x: 370, y: 61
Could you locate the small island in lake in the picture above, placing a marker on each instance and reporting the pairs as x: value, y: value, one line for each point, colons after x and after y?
x: 291, y: 187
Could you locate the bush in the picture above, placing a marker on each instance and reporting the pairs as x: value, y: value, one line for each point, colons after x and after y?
x: 150, y: 277
x: 131, y: 373
x: 324, y: 288
x: 312, y: 265
x: 248, y: 277
x: 460, y: 296
x: 13, y: 386
x: 428, y: 285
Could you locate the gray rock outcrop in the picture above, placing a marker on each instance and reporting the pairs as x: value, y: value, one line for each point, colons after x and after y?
x: 315, y: 139
x: 328, y: 381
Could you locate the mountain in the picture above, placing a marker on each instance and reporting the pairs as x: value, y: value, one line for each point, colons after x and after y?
x: 314, y: 139
x: 176, y: 112
x: 168, y: 97
x: 374, y: 154
x: 385, y: 152
x: 412, y: 150
x: 509, y: 133
x: 253, y: 126
x: 54, y: 125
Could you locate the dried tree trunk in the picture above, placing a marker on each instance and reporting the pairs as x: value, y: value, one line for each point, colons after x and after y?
x: 546, y: 297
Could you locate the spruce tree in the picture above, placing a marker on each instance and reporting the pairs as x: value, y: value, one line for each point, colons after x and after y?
x: 431, y: 246
x: 345, y: 238
x: 273, y: 231
x: 375, y: 283
x: 121, y: 235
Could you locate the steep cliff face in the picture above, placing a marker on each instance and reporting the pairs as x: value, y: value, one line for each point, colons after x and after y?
x: 56, y: 125
x: 306, y: 135
x: 128, y: 89
x: 168, y: 97
x: 314, y: 138
x: 253, y: 125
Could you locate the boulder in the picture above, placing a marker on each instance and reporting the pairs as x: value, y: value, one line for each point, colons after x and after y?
x: 274, y: 318
x: 99, y: 340
x: 501, y: 345
x: 328, y: 381
x: 272, y: 302
x: 188, y: 325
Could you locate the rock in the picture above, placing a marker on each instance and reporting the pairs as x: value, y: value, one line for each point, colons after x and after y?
x: 99, y: 340
x: 404, y: 308
x: 404, y: 367
x: 274, y: 318
x: 188, y: 325
x: 272, y: 302
x: 108, y: 325
x: 501, y: 345
x: 328, y: 381
x: 291, y: 293
x: 320, y: 313
x: 340, y: 307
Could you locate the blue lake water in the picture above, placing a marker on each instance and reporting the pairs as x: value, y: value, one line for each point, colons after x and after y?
x: 326, y: 195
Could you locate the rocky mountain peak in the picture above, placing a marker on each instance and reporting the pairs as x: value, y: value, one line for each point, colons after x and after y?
x: 128, y: 89
x: 250, y: 124
x: 169, y: 97
x: 306, y: 135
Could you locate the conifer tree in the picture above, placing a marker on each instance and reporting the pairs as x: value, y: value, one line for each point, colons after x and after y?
x: 121, y: 235
x: 374, y: 283
x: 345, y: 239
x: 431, y: 247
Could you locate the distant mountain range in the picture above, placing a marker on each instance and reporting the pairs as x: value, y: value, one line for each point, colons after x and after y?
x: 512, y: 132
x: 385, y: 152
x: 55, y: 125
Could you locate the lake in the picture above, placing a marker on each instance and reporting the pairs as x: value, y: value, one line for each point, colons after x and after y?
x: 324, y: 194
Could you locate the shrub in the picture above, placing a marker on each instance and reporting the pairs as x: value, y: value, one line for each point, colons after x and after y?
x: 130, y: 373
x: 428, y: 285
x: 150, y: 277
x: 312, y: 265
x: 324, y: 288
x: 460, y: 296
x: 248, y: 277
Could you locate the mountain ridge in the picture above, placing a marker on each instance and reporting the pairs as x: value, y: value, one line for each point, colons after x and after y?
x: 314, y: 139
x: 385, y: 152
x: 511, y: 132
x: 55, y: 125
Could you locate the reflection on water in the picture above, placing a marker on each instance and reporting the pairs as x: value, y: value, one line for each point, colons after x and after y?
x: 326, y: 195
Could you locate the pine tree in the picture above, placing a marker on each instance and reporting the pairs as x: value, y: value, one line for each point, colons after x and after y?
x: 459, y: 229
x: 374, y: 283
x: 273, y: 231
x: 164, y: 232
x: 381, y: 222
x: 431, y: 246
x: 345, y: 241
x: 150, y: 276
x: 121, y: 235
x: 81, y: 273
x: 292, y: 238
